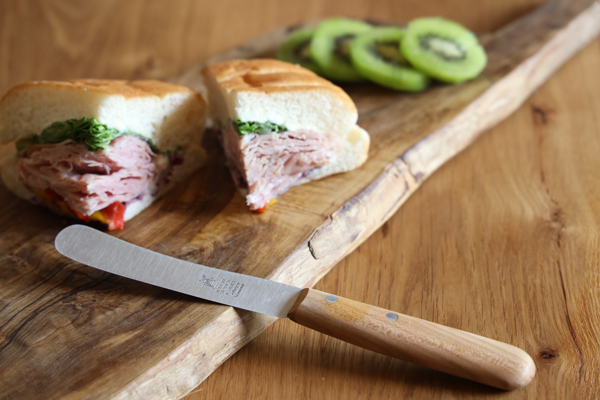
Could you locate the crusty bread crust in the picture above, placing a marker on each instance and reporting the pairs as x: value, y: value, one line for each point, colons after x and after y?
x: 168, y: 114
x: 279, y: 92
x: 268, y: 76
x: 107, y: 86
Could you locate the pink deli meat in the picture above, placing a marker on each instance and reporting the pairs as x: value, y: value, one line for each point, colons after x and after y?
x: 89, y: 181
x: 272, y: 163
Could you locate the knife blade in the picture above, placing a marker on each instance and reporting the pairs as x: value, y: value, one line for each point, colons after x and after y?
x: 422, y: 342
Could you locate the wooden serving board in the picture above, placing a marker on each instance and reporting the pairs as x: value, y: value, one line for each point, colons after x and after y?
x: 69, y: 331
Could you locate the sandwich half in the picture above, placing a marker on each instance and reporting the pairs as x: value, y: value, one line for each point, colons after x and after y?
x: 99, y: 150
x: 281, y: 125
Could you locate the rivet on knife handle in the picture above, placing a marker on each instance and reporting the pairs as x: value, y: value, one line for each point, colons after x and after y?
x: 412, y: 339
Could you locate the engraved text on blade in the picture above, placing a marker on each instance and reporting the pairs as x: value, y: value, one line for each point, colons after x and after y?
x: 223, y: 286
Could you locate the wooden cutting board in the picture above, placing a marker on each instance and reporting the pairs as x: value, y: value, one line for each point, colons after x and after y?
x: 82, y: 333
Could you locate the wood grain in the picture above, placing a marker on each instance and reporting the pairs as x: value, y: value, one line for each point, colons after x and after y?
x: 415, y: 340
x: 501, y: 241
x: 65, y: 39
x: 49, y: 304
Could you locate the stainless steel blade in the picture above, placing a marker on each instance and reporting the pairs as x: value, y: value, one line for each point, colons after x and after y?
x: 99, y: 250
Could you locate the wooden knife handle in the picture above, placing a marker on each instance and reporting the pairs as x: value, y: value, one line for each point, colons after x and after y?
x: 412, y: 339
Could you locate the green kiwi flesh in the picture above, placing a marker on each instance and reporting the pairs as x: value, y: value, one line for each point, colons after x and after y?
x: 330, y: 48
x: 443, y: 49
x: 296, y: 49
x: 376, y: 56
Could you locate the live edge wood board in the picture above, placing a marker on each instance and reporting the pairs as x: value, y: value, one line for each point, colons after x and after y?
x: 69, y: 331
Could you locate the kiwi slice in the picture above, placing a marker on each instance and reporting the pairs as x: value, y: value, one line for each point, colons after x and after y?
x: 330, y: 48
x: 443, y: 49
x: 296, y: 49
x: 376, y: 56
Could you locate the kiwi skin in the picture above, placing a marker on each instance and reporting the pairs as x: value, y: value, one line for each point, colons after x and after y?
x: 466, y: 62
x: 296, y: 50
x: 330, y: 48
x: 376, y: 56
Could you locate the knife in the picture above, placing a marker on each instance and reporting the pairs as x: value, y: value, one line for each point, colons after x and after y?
x: 408, y: 338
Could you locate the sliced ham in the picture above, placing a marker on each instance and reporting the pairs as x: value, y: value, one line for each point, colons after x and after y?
x: 269, y: 164
x: 89, y: 181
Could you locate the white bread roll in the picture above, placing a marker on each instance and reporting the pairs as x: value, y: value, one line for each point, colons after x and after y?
x: 169, y: 115
x: 266, y: 90
x: 352, y: 155
x: 280, y: 92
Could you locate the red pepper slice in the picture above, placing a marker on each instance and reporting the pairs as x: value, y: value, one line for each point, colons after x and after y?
x: 115, y: 214
x: 81, y: 216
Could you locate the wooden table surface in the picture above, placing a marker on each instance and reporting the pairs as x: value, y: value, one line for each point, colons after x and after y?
x: 503, y: 241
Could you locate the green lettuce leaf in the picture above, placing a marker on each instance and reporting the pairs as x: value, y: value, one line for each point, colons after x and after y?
x: 244, y: 128
x: 93, y: 134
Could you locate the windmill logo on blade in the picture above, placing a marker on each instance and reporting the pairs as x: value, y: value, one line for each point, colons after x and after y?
x: 209, y: 282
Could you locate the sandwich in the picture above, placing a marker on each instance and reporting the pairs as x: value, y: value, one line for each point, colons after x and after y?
x: 281, y: 125
x: 99, y: 150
